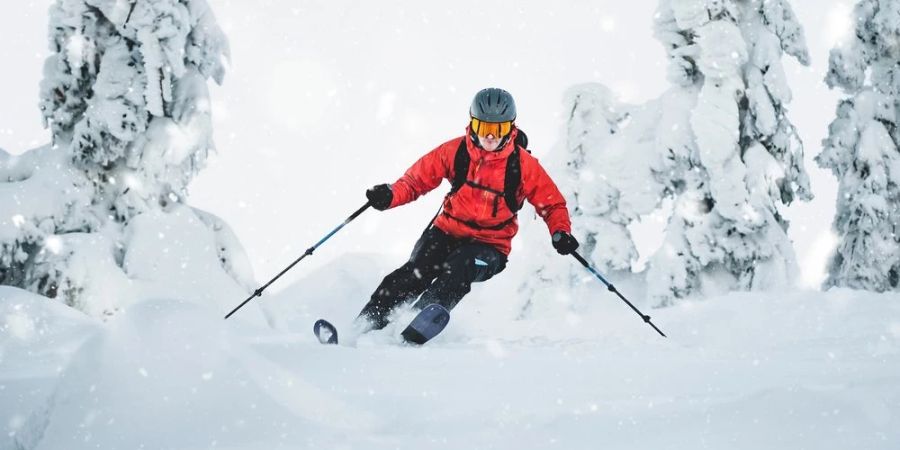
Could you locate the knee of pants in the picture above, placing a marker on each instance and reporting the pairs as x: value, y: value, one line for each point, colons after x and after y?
x: 397, y: 281
x: 473, y: 267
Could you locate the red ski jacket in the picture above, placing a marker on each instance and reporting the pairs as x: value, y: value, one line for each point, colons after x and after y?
x: 475, y: 213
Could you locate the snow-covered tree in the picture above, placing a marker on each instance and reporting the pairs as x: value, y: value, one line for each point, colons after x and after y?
x: 601, y: 166
x: 863, y: 150
x: 730, y: 155
x: 125, y: 96
x: 125, y: 92
x: 595, y: 118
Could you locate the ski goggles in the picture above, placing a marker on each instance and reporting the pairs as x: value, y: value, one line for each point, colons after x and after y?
x: 498, y: 129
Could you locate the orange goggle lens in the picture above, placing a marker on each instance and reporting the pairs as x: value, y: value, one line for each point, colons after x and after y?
x: 498, y: 129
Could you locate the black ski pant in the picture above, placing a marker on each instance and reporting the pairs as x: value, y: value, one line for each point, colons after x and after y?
x: 440, y: 270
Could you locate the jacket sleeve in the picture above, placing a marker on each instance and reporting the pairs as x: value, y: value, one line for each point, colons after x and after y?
x: 542, y: 193
x: 425, y: 174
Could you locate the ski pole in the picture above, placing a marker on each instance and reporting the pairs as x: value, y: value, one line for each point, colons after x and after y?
x: 308, y: 252
x: 612, y: 289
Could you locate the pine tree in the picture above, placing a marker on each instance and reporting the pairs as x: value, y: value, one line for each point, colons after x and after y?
x: 594, y: 118
x: 124, y: 92
x: 862, y: 150
x: 125, y: 96
x: 604, y: 167
x: 735, y: 156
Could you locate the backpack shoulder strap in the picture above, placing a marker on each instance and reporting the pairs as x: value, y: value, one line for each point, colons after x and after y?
x: 512, y: 180
x: 460, y: 166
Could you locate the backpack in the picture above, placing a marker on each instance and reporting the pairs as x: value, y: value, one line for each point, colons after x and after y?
x: 511, y: 180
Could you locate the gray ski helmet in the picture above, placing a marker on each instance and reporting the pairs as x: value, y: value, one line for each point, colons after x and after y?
x: 493, y: 105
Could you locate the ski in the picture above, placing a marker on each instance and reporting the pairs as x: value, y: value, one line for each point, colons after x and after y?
x: 325, y: 332
x: 427, y: 324
x: 423, y: 328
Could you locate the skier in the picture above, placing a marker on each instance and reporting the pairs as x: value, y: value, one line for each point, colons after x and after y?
x: 469, y: 240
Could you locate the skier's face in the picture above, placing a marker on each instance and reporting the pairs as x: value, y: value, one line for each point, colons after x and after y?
x: 490, y: 133
x: 489, y: 142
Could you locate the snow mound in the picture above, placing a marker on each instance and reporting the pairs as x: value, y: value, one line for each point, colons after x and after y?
x: 37, y: 339
x: 173, y: 374
x: 742, y: 371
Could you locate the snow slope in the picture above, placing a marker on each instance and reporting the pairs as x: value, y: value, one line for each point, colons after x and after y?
x: 799, y: 370
x: 803, y: 370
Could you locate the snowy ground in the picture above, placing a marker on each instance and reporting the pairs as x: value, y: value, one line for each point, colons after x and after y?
x: 763, y: 371
x: 801, y: 370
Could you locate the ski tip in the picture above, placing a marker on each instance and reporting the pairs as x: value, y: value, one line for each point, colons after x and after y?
x: 426, y: 325
x: 325, y: 332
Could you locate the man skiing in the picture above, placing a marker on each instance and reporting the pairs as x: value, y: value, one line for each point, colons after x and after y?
x: 491, y: 175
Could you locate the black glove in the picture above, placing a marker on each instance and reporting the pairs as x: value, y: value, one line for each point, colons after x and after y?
x: 380, y: 196
x: 564, y: 243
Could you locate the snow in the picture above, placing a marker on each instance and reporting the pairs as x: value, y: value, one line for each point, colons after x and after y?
x: 251, y: 137
x: 861, y: 151
x: 800, y: 370
x: 729, y: 198
x: 149, y: 362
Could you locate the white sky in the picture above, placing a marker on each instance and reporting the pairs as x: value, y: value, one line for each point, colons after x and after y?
x: 326, y: 98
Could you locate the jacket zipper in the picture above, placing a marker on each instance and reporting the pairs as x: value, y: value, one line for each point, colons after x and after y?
x: 484, y: 193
